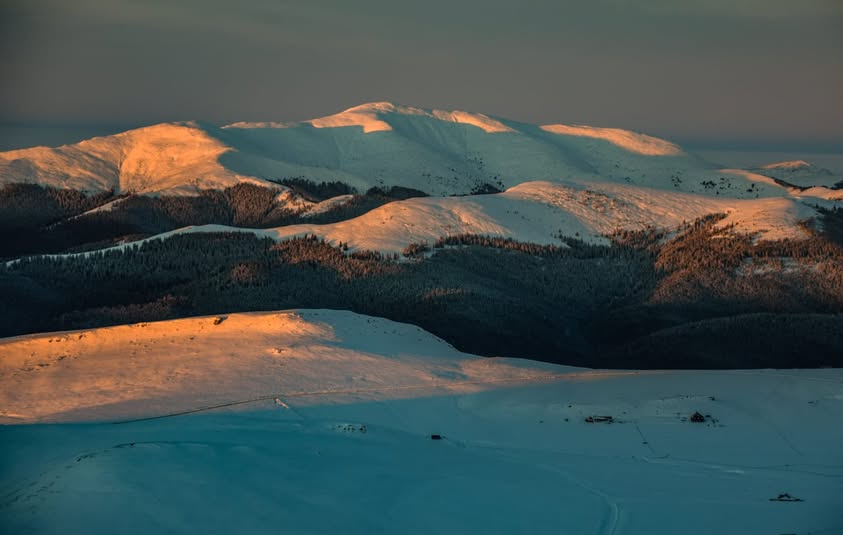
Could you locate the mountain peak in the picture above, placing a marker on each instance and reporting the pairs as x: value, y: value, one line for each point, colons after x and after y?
x: 374, y: 117
x: 383, y: 106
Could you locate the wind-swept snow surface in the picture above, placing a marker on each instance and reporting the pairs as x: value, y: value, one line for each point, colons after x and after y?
x: 333, y: 435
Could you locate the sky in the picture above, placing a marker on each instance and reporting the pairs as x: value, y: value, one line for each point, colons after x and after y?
x: 712, y: 71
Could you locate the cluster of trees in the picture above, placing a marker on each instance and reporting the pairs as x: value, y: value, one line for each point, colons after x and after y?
x: 317, y: 191
x: 31, y: 205
x: 485, y: 188
x: 416, y: 250
x: 571, y: 247
x: 28, y: 212
x: 48, y: 229
x: 832, y: 224
x: 398, y: 193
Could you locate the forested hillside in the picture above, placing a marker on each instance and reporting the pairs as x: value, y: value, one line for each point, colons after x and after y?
x: 39, y: 220
x: 636, y: 303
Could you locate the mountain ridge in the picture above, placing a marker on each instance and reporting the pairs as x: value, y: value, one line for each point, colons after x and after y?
x: 378, y: 144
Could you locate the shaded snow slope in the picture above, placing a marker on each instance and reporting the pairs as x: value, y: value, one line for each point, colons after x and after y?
x: 333, y: 435
x: 378, y: 144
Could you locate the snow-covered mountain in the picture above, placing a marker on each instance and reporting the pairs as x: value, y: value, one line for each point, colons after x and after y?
x: 538, y: 212
x: 377, y: 144
x: 320, y: 421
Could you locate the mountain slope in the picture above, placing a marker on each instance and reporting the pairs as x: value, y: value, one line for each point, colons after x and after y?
x: 331, y: 403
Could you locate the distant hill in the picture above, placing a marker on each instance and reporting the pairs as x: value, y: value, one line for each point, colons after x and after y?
x: 801, y: 174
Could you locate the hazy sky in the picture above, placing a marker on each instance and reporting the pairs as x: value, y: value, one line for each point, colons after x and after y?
x: 759, y: 70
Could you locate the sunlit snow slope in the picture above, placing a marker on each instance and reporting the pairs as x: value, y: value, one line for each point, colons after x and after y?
x: 176, y: 158
x: 328, y: 426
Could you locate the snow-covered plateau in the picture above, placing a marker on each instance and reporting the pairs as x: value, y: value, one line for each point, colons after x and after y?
x: 320, y: 421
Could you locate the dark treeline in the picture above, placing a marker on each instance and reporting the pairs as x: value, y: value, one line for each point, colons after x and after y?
x: 485, y: 300
x: 832, y: 223
x: 30, y: 205
x: 757, y: 340
x: 28, y: 210
x: 321, y: 191
x: 317, y: 191
x: 641, y: 302
x: 38, y: 220
x: 399, y: 193
x: 48, y: 230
